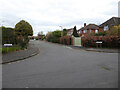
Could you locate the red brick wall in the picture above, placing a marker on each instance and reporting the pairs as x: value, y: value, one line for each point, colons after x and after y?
x: 101, y: 29
x: 88, y: 32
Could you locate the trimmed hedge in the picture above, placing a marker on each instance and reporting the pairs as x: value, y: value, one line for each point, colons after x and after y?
x: 66, y: 40
x: 11, y: 49
x: 108, y: 41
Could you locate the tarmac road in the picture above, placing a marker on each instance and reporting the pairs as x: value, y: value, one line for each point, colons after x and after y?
x: 58, y: 66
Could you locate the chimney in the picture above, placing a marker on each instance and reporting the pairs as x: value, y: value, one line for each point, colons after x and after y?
x: 84, y: 24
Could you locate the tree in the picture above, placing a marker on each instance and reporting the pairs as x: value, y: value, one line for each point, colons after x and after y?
x: 75, y: 34
x: 57, y: 34
x: 8, y: 35
x: 49, y: 37
x: 54, y: 36
x: 115, y: 31
x: 23, y: 28
x: 40, y: 33
x: 64, y: 32
x: 41, y: 36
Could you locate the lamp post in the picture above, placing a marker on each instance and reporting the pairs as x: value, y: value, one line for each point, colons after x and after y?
x: 61, y: 31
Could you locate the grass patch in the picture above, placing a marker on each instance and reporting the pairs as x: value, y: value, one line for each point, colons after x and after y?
x: 11, y: 49
x: 106, y: 68
x: 0, y: 49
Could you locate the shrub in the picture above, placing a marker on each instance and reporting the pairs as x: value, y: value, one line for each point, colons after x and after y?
x: 22, y: 41
x: 11, y: 49
x: 75, y: 34
x: 53, y: 36
x: 108, y: 41
x: 8, y: 36
x: 67, y: 40
x: 115, y: 31
x: 100, y: 34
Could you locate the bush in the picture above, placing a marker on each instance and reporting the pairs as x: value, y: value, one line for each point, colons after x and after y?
x: 53, y: 36
x: 114, y: 32
x: 11, y: 49
x: 100, y: 34
x: 75, y: 34
x: 23, y: 45
x: 8, y: 35
x: 67, y: 40
x: 22, y: 41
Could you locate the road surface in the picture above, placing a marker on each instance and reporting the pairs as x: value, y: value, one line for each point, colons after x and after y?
x: 58, y: 66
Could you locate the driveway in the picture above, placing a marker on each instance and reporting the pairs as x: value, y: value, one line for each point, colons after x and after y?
x: 58, y: 66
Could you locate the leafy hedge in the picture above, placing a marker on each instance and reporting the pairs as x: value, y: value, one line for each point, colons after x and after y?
x: 67, y: 40
x: 8, y: 35
x: 53, y: 36
x: 100, y: 34
x: 11, y: 49
x: 108, y: 41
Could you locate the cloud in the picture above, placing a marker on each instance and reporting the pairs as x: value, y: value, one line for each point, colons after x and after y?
x: 48, y: 15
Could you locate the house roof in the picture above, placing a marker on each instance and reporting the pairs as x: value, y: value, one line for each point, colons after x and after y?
x: 69, y: 29
x: 114, y: 21
x: 90, y: 26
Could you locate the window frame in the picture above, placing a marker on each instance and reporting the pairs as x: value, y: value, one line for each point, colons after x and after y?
x: 96, y: 31
x: 106, y: 28
x: 85, y: 31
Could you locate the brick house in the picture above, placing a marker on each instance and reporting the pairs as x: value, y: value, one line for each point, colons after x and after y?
x: 107, y: 25
x: 87, y: 29
x: 69, y: 32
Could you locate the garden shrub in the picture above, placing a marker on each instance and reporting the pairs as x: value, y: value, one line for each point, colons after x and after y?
x: 66, y: 40
x: 108, y: 41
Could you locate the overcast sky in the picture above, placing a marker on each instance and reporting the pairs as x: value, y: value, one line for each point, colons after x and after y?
x: 48, y: 15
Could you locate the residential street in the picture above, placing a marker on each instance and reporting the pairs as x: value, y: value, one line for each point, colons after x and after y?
x: 59, y: 66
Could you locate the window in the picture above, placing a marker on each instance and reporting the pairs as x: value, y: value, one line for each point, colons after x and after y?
x: 80, y: 31
x: 96, y: 31
x: 85, y: 31
x: 105, y: 28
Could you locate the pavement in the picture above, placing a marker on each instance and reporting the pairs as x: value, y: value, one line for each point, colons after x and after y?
x: 20, y: 55
x: 59, y: 66
x: 97, y: 49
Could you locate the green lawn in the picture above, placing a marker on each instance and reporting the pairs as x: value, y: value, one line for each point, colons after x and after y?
x: 0, y: 49
x: 10, y: 49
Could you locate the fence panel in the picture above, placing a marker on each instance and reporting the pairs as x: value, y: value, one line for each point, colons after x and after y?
x: 77, y: 41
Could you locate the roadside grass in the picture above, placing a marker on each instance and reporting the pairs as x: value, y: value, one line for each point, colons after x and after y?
x: 11, y: 49
x: 0, y: 49
x: 106, y: 68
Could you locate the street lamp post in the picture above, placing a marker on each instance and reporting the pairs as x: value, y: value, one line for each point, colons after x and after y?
x: 61, y: 31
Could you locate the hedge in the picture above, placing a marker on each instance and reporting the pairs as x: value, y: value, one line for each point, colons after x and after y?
x: 108, y: 41
x: 66, y: 40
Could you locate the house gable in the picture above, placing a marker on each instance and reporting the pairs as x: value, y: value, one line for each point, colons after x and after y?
x: 114, y: 21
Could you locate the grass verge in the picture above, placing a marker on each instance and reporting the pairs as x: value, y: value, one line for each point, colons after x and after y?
x: 10, y: 49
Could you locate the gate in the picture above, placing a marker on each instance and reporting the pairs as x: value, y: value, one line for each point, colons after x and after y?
x: 77, y: 41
